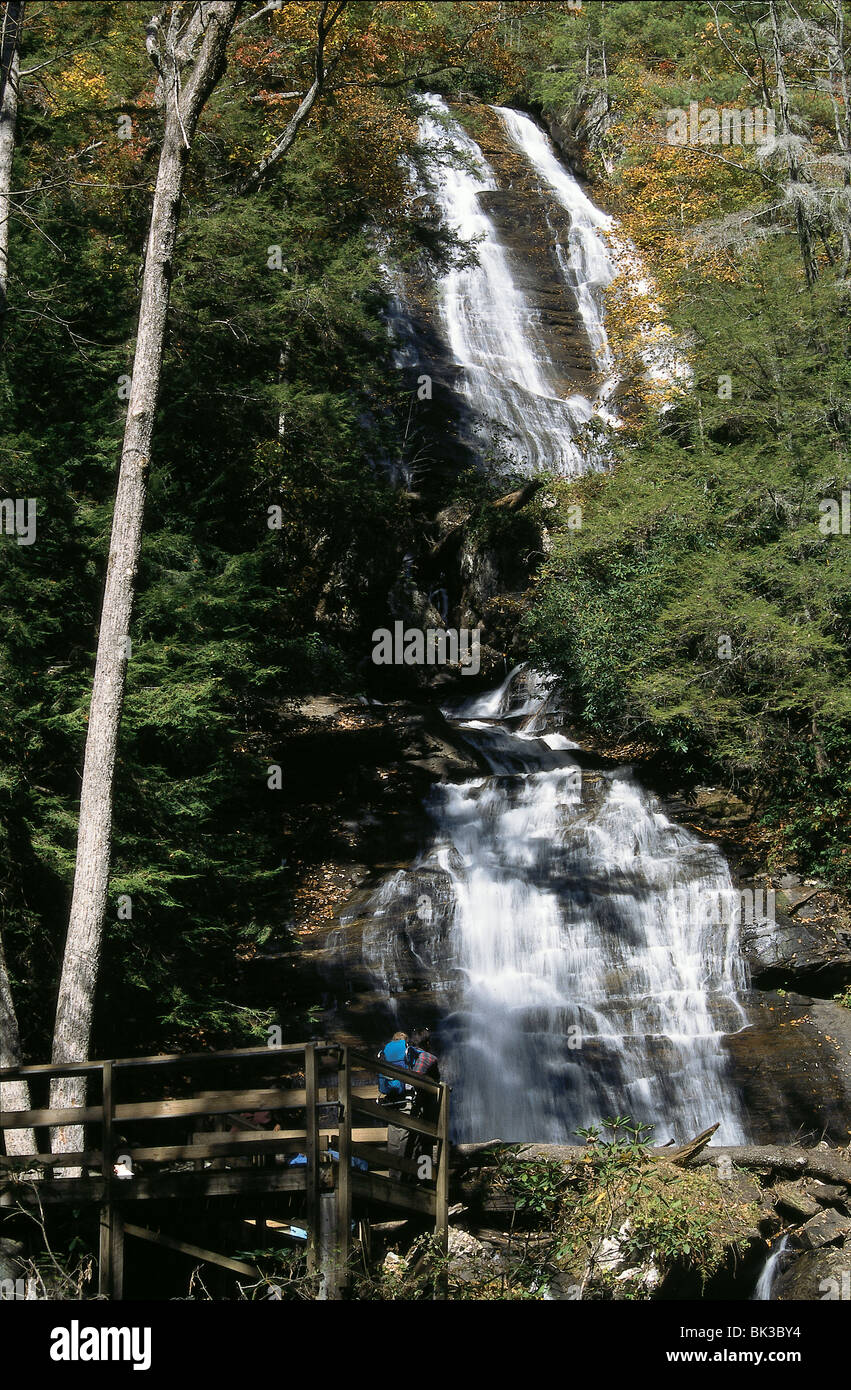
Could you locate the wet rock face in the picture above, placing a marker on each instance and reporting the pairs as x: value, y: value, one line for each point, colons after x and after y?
x: 828, y: 1227
x: 809, y: 954
x: 791, y: 1068
x: 398, y: 942
x: 531, y: 224
x: 822, y: 1274
x: 532, y: 227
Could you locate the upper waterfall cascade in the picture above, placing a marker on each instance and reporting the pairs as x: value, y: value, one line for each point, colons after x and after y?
x: 508, y: 375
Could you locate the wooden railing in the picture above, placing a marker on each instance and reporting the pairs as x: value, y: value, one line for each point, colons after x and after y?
x: 219, y: 1140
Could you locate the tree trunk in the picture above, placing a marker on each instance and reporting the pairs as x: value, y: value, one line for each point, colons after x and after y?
x: 805, y: 240
x: 828, y: 1165
x: 14, y: 1095
x: 10, y: 70
x: 183, y: 102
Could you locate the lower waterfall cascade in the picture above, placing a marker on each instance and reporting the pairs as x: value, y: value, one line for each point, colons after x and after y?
x: 582, y: 944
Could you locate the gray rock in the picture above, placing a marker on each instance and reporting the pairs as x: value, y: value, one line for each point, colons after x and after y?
x: 813, y: 957
x: 470, y: 1258
x: 829, y: 1194
x: 823, y: 1274
x: 10, y: 1265
x: 792, y: 1197
x: 825, y: 1229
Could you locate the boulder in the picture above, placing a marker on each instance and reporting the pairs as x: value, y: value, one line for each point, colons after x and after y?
x: 829, y: 1194
x: 828, y: 1228
x: 813, y: 957
x: 803, y: 944
x: 470, y: 1258
x: 823, y: 1274
x: 792, y: 1197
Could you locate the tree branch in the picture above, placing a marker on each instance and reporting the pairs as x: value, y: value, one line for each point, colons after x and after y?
x: 286, y: 140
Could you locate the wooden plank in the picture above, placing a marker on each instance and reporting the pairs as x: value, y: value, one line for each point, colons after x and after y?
x: 202, y: 1146
x: 32, y: 1119
x: 105, y: 1250
x: 107, y: 1240
x: 111, y: 1253
x: 219, y: 1104
x: 117, y: 1255
x: 158, y: 1186
x: 108, y: 1117
x: 196, y: 1251
x: 216, y: 1103
x: 213, y: 1146
x: 373, y: 1066
x: 165, y: 1059
x: 88, y: 1158
x: 372, y: 1188
x: 311, y: 1148
x: 394, y: 1117
x: 379, y: 1158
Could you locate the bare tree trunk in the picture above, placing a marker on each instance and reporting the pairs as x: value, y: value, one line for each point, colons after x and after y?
x: 10, y: 71
x: 805, y: 240
x: 14, y: 1095
x: 186, y: 82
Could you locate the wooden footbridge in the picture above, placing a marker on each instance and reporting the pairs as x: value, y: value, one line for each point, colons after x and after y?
x: 293, y: 1132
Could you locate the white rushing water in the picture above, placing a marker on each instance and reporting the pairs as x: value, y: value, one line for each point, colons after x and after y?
x: 507, y: 375
x: 596, y: 254
x: 587, y: 264
x: 582, y: 948
x: 770, y: 1271
x: 595, y: 939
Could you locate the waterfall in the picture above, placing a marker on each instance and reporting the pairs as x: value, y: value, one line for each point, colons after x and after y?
x: 597, y: 253
x: 581, y: 948
x: 507, y: 375
x: 770, y: 1271
x: 591, y: 966
x: 587, y: 265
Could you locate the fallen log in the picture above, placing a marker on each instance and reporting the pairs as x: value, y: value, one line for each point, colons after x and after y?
x: 686, y: 1152
x: 513, y: 501
x: 828, y: 1165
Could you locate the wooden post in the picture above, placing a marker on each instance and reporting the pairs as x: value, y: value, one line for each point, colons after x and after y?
x: 328, y: 1235
x: 344, y: 1167
x: 441, y: 1195
x: 441, y: 1192
x: 111, y: 1241
x: 311, y: 1176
